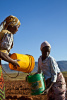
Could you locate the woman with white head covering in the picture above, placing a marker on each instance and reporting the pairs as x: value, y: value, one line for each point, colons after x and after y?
x: 54, y: 80
x: 7, y: 29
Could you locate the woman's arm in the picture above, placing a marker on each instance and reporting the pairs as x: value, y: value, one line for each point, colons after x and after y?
x: 49, y: 84
x: 48, y: 88
x: 5, y: 57
x: 39, y: 69
x: 53, y: 69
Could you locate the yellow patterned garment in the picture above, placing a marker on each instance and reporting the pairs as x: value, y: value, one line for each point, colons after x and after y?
x: 10, y: 20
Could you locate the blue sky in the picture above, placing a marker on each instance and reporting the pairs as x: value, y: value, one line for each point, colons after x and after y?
x: 40, y: 20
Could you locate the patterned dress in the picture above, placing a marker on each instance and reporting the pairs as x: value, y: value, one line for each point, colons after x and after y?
x: 2, y: 85
x: 58, y: 90
x: 50, y: 69
x: 6, y: 43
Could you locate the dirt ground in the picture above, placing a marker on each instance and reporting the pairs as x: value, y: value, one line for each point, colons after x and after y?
x: 20, y: 90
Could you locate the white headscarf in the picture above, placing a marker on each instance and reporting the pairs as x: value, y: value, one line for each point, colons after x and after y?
x: 45, y: 43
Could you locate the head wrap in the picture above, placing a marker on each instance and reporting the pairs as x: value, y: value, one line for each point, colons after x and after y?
x: 45, y: 43
x: 10, y: 20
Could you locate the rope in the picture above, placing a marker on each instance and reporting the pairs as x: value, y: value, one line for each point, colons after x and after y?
x: 9, y: 75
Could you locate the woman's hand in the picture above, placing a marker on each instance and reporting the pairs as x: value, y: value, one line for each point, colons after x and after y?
x: 15, y: 64
x: 46, y: 91
x: 5, y: 57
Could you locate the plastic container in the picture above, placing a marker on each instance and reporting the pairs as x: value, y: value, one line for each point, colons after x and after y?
x: 36, y: 83
x: 26, y: 62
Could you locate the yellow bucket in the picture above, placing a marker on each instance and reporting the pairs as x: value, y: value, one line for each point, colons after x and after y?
x: 26, y: 62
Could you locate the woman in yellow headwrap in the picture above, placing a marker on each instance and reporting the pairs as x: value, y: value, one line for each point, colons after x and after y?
x: 7, y: 29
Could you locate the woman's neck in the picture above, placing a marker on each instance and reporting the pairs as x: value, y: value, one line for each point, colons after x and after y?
x: 43, y: 58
